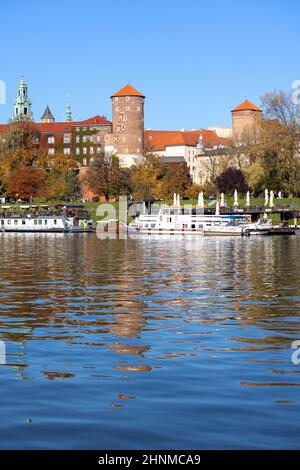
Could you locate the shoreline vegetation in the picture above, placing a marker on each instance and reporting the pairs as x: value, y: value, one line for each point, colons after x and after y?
x: 292, y: 203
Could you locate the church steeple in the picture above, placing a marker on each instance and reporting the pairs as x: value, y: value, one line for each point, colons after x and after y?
x: 22, y: 104
x: 47, y: 116
x: 68, y: 117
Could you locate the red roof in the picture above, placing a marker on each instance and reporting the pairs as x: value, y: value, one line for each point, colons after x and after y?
x: 246, y: 106
x: 159, y: 140
x: 60, y: 127
x: 127, y: 90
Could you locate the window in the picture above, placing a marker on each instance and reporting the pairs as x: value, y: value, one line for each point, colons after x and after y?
x: 45, y: 222
x: 116, y: 98
x: 117, y: 109
x: 123, y: 127
x: 98, y: 149
x: 77, y: 129
x: 51, y: 140
x: 98, y: 138
x: 84, y: 161
x: 91, y: 160
x: 138, y: 108
x: 124, y: 139
x: 23, y: 222
x: 55, y: 222
x: 40, y: 222
x: 84, y: 138
x: 84, y: 129
x: 91, y: 150
x: 77, y: 150
x: 67, y: 139
x: 16, y: 222
x: 67, y: 151
x: 127, y: 108
x: 51, y: 151
x: 36, y: 140
x: 127, y: 98
x: 35, y: 222
x: 77, y: 139
x: 91, y: 138
x: 84, y: 150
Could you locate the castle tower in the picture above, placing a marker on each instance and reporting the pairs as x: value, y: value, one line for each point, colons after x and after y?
x: 128, y: 124
x: 22, y: 104
x: 68, y: 117
x: 47, y: 116
x: 244, y: 118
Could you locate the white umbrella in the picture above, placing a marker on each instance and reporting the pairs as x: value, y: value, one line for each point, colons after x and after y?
x: 174, y: 199
x: 200, y: 200
x: 271, y: 199
x: 222, y: 200
x: 248, y: 199
x: 217, y: 208
x: 236, y: 199
x: 266, y: 197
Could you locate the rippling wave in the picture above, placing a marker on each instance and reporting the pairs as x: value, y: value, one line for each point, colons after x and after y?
x: 149, y: 342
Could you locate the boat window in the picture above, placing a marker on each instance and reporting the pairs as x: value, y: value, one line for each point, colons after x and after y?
x: 23, y: 222
x: 2, y: 222
x: 40, y: 222
x: 46, y: 221
x: 152, y: 225
x: 55, y: 222
x: 16, y: 222
x: 35, y: 222
x: 169, y: 219
x: 193, y: 225
x: 8, y: 222
x: 185, y: 226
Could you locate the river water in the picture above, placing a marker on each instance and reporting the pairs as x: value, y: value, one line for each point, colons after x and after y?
x: 149, y: 342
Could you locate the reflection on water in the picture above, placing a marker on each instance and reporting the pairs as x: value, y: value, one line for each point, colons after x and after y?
x: 151, y: 342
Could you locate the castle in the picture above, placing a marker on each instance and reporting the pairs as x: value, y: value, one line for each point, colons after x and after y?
x: 125, y: 135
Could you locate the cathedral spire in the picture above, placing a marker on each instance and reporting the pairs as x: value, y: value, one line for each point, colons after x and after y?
x: 47, y: 116
x: 22, y: 104
x: 69, y: 117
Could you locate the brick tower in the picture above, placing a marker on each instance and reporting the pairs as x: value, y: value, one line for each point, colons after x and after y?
x: 128, y: 124
x: 244, y: 118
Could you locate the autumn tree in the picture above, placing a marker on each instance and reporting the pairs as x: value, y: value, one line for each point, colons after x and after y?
x: 274, y: 157
x: 177, y: 179
x: 107, y: 178
x: 62, y: 177
x: 147, y: 177
x: 26, y: 183
x: 231, y: 179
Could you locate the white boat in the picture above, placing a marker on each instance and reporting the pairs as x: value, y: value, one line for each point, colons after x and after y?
x: 226, y: 227
x: 34, y: 224
x: 174, y: 220
x: 261, y: 227
x: 74, y: 218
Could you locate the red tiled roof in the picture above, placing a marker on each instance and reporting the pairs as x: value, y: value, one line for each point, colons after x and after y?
x: 159, y: 140
x: 127, y: 90
x: 59, y: 127
x: 246, y: 106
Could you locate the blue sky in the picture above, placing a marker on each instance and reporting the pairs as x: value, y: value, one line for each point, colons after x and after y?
x: 194, y: 60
